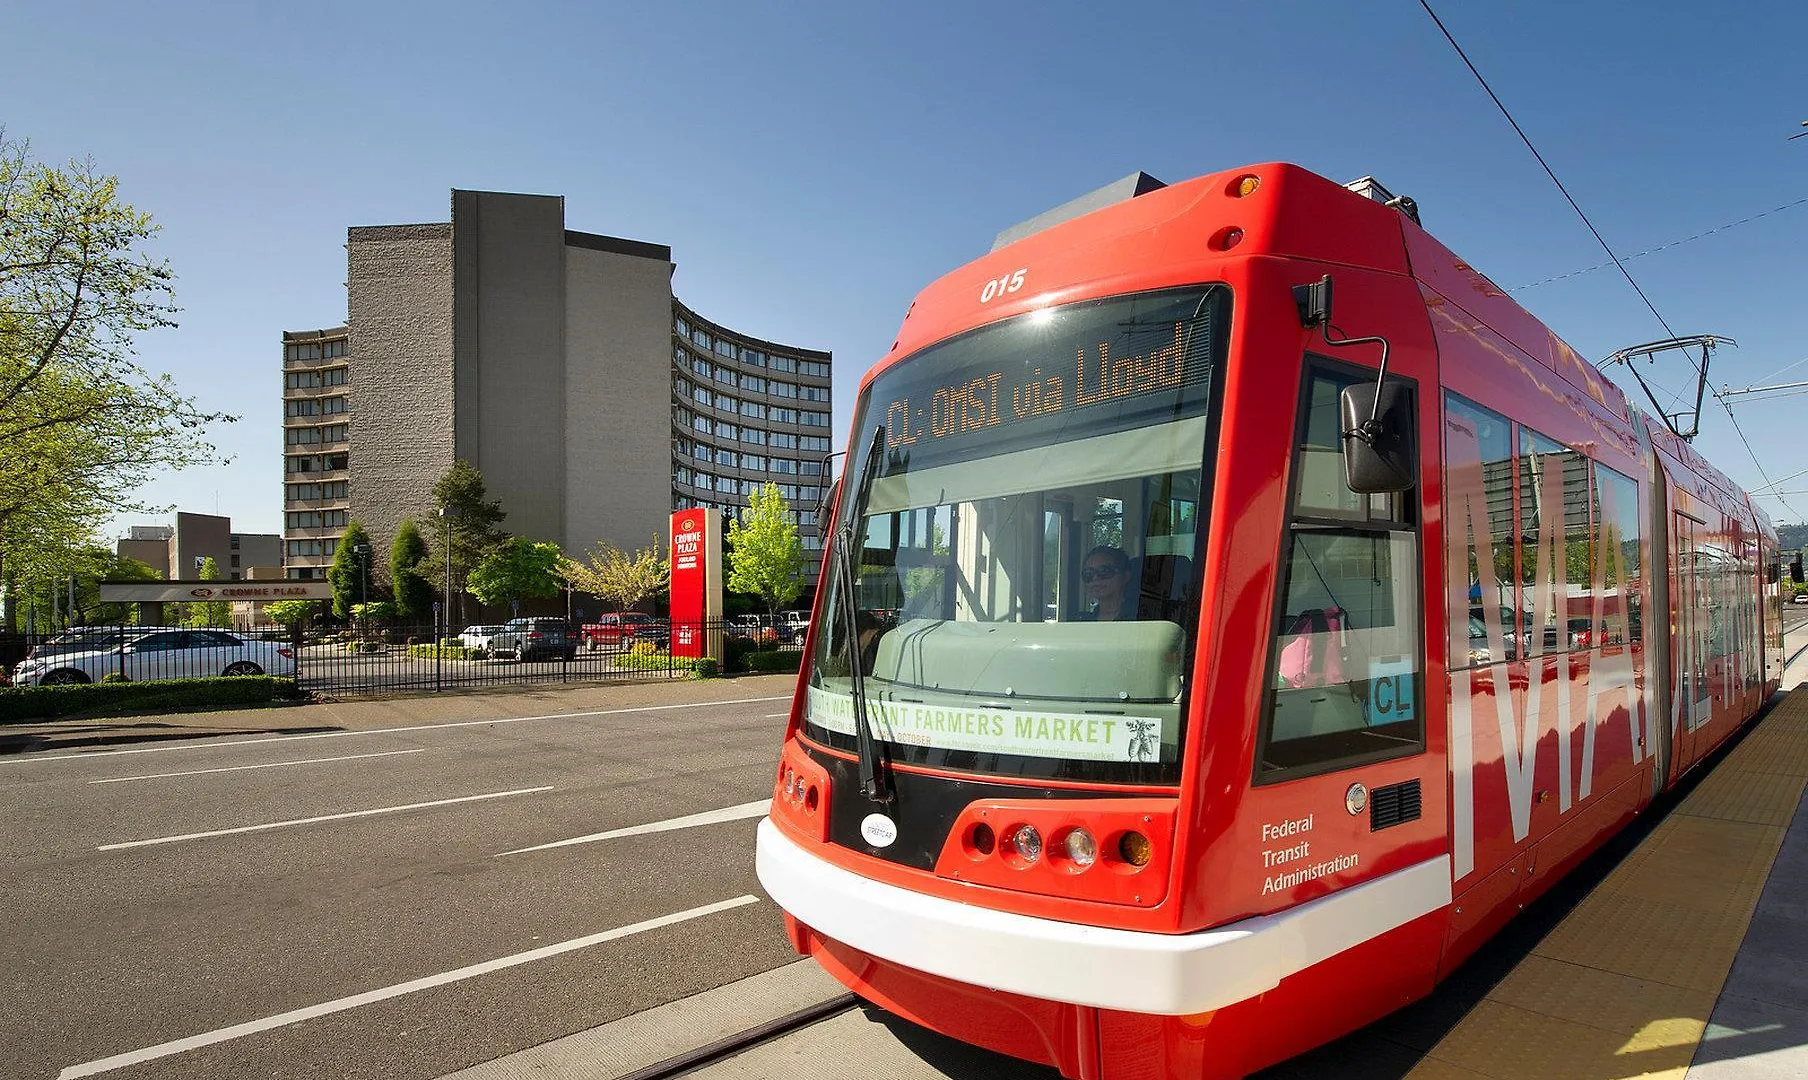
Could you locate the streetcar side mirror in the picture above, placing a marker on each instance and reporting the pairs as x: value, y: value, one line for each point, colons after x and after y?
x: 1380, y: 451
x: 1795, y: 568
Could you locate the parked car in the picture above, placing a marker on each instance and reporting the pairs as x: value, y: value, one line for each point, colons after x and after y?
x: 764, y: 629
x: 480, y: 638
x: 162, y: 654
x: 619, y: 631
x: 533, y: 639
x: 90, y: 639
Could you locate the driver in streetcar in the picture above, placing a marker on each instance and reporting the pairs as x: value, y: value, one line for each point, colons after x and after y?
x: 1106, y: 575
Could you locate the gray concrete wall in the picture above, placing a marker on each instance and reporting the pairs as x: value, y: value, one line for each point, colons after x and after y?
x: 399, y: 306
x: 153, y: 553
x: 201, y: 536
x: 509, y: 272
x: 260, y: 550
x: 618, y: 392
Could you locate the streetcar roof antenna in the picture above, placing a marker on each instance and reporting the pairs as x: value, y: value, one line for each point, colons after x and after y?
x: 1137, y: 183
x: 1707, y: 343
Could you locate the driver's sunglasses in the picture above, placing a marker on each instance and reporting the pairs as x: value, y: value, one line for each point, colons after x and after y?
x: 1101, y: 573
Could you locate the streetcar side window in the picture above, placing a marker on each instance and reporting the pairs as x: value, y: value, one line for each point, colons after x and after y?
x: 1344, y: 661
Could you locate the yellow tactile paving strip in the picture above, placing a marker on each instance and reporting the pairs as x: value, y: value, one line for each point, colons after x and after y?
x: 1624, y: 985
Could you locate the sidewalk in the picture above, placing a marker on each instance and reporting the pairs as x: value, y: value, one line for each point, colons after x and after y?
x: 398, y: 710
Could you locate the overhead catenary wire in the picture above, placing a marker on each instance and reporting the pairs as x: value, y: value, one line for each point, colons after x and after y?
x: 1662, y: 247
x: 1617, y: 262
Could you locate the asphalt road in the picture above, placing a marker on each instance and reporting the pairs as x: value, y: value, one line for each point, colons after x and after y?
x: 115, y: 946
x: 342, y: 890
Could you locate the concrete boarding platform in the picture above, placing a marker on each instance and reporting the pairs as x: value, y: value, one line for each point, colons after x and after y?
x: 1688, y: 961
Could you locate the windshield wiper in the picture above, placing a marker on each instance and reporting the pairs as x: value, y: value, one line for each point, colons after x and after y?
x: 875, y: 771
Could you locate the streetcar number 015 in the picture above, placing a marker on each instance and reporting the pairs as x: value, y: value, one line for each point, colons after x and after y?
x: 1003, y: 286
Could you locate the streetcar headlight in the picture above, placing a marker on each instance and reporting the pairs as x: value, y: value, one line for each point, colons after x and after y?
x: 1027, y: 842
x: 1081, y: 847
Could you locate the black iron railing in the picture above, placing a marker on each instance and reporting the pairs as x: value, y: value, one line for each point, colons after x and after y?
x: 364, y: 659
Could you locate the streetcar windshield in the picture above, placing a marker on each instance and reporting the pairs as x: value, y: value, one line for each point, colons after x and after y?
x: 1026, y: 561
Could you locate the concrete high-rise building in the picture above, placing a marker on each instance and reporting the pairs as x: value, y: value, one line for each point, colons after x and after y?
x: 177, y: 551
x: 316, y: 371
x: 560, y: 365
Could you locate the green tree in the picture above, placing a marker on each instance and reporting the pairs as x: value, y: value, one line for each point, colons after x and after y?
x: 290, y: 613
x: 348, y: 572
x: 623, y: 579
x: 208, y: 612
x: 82, y: 424
x: 766, y: 556
x: 468, y: 521
x: 519, y: 569
x: 88, y: 566
x: 413, y: 591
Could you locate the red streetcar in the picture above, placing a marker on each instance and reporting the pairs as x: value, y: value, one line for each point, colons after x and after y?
x: 1201, y: 672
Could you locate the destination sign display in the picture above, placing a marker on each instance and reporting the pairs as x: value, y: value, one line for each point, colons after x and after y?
x: 1111, y: 360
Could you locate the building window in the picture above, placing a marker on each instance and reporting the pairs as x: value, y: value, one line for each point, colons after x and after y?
x: 784, y: 416
x: 815, y: 419
x: 782, y: 363
x: 753, y: 384
x: 813, y: 367
x: 753, y: 409
x: 753, y: 436
x: 784, y: 389
x: 753, y: 357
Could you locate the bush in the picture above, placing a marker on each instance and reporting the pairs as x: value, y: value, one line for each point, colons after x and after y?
x: 774, y: 661
x: 702, y: 667
x: 444, y: 652
x: 736, y: 650
x: 114, y: 676
x: 107, y: 698
x: 645, y: 648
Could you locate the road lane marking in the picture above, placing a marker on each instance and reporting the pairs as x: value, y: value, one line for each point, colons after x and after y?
x: 19, y: 760
x: 775, y: 715
x: 242, y: 768
x: 323, y: 817
x: 296, y: 1016
x: 756, y: 808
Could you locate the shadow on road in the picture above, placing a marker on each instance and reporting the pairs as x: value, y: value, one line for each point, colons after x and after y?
x: 95, y: 735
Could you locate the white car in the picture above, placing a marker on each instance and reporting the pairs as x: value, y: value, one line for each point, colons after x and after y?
x: 478, y: 637
x: 165, y: 654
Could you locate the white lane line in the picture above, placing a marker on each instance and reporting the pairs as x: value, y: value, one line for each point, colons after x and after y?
x: 757, y: 808
x: 323, y: 817
x: 238, y: 1031
x: 775, y: 715
x: 23, y: 760
x: 242, y: 768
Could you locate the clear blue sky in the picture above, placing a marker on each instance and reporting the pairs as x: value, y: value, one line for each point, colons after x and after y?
x: 812, y: 165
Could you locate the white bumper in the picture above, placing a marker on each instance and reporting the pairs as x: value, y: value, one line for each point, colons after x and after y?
x: 1163, y: 974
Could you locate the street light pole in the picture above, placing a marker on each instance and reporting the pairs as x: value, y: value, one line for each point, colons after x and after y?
x: 363, y: 553
x: 445, y: 540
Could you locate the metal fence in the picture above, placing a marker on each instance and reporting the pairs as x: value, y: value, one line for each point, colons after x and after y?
x: 371, y: 659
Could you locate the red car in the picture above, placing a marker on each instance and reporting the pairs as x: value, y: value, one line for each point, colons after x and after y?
x: 623, y: 630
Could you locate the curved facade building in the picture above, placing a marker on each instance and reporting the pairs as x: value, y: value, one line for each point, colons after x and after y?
x: 746, y: 412
x: 559, y: 364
